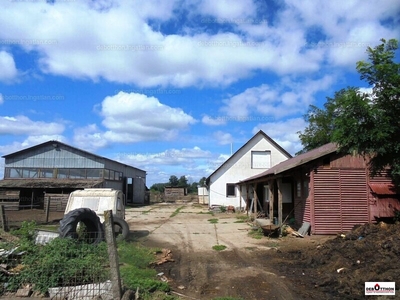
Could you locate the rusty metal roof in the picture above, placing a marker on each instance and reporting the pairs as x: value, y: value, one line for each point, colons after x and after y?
x: 384, y: 189
x: 50, y: 183
x: 296, y: 161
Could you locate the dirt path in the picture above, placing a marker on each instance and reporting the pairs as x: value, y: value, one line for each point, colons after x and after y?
x: 200, y: 272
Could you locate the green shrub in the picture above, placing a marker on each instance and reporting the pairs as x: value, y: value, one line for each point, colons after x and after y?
x: 62, y: 262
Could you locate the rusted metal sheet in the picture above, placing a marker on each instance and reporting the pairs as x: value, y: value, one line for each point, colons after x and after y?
x: 354, y: 198
x: 340, y: 200
x: 383, y: 188
x: 326, y: 207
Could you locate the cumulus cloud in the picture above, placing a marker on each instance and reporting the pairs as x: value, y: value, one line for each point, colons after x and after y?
x: 284, y: 133
x: 110, y: 49
x: 22, y: 125
x: 267, y: 103
x: 131, y: 118
x: 7, y: 67
x: 211, y: 121
x: 223, y: 138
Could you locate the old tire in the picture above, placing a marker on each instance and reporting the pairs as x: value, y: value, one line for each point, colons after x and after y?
x: 121, y: 228
x: 94, y: 229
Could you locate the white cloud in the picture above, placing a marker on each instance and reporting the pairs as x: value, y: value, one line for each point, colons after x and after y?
x: 284, y: 133
x: 228, y: 10
x: 131, y: 118
x: 124, y: 42
x: 22, y: 125
x: 89, y: 138
x: 1, y: 99
x: 223, y: 138
x: 287, y: 98
x: 207, y: 120
x: 7, y: 67
x: 135, y: 117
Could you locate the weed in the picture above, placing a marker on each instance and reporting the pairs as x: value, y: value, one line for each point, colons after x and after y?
x: 256, y: 234
x: 242, y: 218
x: 206, y: 213
x: 222, y: 209
x: 135, y: 271
x: 219, y: 247
x: 176, y: 212
x: 213, y: 221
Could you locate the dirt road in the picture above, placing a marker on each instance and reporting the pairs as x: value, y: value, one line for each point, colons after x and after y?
x: 242, y: 270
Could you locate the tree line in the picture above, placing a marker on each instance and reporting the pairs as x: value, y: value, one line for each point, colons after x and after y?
x: 182, y: 181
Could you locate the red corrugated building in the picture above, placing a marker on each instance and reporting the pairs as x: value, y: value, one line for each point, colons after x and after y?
x: 332, y: 191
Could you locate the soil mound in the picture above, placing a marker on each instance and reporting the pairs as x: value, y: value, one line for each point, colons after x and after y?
x: 341, y: 266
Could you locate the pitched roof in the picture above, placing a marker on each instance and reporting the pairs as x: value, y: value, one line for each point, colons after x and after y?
x: 66, y: 145
x: 296, y: 161
x: 248, y: 142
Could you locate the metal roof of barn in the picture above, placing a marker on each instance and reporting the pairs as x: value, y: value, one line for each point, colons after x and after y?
x: 68, y: 146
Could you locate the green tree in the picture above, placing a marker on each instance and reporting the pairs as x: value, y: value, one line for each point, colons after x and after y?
x: 364, y: 123
x: 183, y: 182
x: 158, y: 187
x: 202, y: 181
x: 368, y: 123
x: 173, y: 180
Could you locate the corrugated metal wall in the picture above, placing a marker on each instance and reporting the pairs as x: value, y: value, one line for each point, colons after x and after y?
x: 340, y: 200
x: 326, y: 206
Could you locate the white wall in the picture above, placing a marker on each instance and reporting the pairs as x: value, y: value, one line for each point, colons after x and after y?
x: 237, y: 168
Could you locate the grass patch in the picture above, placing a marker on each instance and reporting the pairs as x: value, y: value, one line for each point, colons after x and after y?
x: 176, y: 211
x: 136, y: 271
x: 219, y: 247
x: 213, y: 221
x: 256, y: 234
x: 53, y: 228
x: 205, y: 213
x: 242, y: 219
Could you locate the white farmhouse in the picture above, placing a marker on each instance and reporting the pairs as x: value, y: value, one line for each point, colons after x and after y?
x: 256, y: 156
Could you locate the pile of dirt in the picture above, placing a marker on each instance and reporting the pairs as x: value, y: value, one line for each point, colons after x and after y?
x: 341, y: 266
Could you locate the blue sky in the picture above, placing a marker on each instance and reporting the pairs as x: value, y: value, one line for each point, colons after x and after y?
x: 171, y: 86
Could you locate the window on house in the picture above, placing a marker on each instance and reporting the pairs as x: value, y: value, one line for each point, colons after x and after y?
x: 230, y: 190
x: 260, y: 159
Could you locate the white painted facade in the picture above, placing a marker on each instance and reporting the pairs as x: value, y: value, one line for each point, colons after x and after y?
x: 244, y: 163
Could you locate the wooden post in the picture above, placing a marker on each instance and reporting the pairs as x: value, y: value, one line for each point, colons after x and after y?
x: 112, y: 254
x: 255, y: 200
x: 3, y: 218
x: 47, y: 209
x: 247, y: 198
x: 240, y: 198
x: 32, y: 200
x: 279, y: 181
x: 271, y: 200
